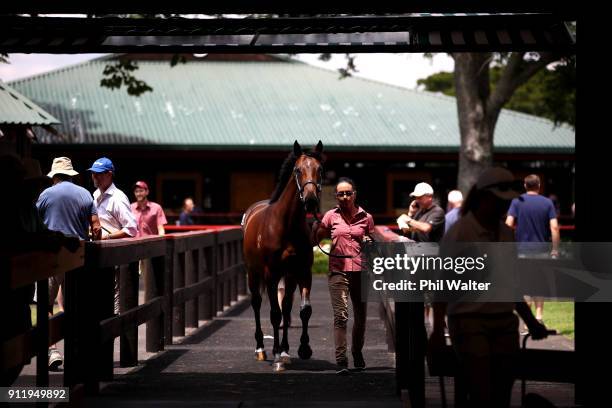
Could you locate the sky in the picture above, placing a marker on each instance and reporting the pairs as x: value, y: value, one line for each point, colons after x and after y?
x: 397, y: 69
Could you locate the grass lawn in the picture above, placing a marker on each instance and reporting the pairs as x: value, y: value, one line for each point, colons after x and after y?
x: 320, y: 265
x: 560, y: 317
x: 33, y: 312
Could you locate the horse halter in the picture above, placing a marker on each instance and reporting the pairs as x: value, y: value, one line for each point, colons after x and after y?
x: 300, y: 187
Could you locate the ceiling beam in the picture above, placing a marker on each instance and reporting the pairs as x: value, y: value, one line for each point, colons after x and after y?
x: 412, y: 33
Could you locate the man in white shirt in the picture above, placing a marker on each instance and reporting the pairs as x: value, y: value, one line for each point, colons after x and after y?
x: 112, y: 204
x: 113, y: 207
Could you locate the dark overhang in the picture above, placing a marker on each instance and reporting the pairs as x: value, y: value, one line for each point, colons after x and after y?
x: 463, y: 32
x: 292, y: 7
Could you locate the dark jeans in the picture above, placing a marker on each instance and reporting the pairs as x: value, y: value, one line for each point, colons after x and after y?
x: 341, y: 286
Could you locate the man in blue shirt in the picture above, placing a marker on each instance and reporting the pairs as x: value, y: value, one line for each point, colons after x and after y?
x: 67, y: 208
x: 455, y: 199
x: 185, y: 216
x: 536, y: 223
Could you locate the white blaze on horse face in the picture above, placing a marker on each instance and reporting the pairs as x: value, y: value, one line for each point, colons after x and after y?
x: 259, y: 241
x: 310, y: 177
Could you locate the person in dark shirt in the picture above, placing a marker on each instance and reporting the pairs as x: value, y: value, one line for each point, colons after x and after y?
x: 484, y: 335
x: 425, y: 219
x: 25, y: 232
x: 185, y: 217
x: 535, y: 218
x: 424, y: 222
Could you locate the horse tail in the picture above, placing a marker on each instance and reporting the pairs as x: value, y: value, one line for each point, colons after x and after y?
x: 256, y: 281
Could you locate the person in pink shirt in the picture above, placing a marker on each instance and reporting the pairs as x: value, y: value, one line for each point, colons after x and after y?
x: 348, y: 225
x: 149, y: 216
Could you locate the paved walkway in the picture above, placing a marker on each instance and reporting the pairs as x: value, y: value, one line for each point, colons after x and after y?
x: 214, y: 366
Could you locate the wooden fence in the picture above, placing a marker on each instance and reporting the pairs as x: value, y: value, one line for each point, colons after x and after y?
x: 188, y: 277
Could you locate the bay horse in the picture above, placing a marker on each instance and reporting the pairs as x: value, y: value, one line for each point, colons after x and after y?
x: 277, y: 244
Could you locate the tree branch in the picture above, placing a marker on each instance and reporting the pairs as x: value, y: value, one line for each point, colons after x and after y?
x: 516, y: 73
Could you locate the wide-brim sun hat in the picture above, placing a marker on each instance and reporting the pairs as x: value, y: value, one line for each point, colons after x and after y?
x: 62, y: 165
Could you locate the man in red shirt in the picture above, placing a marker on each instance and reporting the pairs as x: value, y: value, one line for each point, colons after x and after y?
x: 149, y: 216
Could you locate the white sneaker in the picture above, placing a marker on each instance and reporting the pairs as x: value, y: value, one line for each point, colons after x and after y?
x: 55, y: 359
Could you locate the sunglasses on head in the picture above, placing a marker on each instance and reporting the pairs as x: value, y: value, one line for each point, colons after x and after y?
x: 344, y: 193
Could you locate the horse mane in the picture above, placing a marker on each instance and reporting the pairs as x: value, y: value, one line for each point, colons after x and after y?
x: 287, y: 171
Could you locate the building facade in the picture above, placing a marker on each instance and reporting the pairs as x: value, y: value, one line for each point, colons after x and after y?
x: 218, y: 128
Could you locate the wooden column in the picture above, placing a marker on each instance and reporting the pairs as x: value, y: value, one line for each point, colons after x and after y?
x: 128, y: 299
x: 191, y: 277
x: 154, y: 283
x: 178, y: 321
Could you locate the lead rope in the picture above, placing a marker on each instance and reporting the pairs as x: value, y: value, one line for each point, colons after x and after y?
x: 314, y: 214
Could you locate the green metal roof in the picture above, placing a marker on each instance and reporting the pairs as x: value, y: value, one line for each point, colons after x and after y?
x: 244, y: 104
x: 16, y: 109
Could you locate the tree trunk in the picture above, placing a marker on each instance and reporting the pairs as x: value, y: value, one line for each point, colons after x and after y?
x: 476, y: 125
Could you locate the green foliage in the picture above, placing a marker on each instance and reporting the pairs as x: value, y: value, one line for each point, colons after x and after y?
x: 119, y: 74
x: 320, y: 265
x: 550, y: 93
x: 439, y: 82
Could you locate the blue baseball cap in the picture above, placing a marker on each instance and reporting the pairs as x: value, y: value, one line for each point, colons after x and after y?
x: 101, y: 165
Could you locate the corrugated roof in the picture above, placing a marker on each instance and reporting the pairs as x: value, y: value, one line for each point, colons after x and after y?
x: 229, y: 104
x: 16, y: 109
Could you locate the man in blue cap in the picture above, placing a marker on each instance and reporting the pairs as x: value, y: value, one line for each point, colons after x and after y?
x: 113, y: 208
x: 112, y: 204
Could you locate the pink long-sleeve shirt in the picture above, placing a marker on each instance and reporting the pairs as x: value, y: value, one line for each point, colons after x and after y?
x: 347, y: 236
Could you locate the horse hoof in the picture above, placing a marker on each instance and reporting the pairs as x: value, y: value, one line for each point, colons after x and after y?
x: 285, y: 358
x: 305, y: 352
x: 278, y: 367
x: 260, y: 355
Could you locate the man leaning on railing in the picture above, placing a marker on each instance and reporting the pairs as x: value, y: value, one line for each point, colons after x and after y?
x: 113, y: 209
x: 27, y: 232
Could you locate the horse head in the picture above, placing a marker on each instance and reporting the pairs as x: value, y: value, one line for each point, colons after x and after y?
x: 308, y: 173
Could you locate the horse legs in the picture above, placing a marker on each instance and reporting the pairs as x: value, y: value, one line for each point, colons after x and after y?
x: 275, y: 319
x: 260, y: 353
x: 304, y: 351
x: 286, y: 310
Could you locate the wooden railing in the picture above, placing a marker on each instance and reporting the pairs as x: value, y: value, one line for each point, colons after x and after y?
x: 188, y: 277
x: 405, y: 331
x: 20, y: 271
x: 405, y: 325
